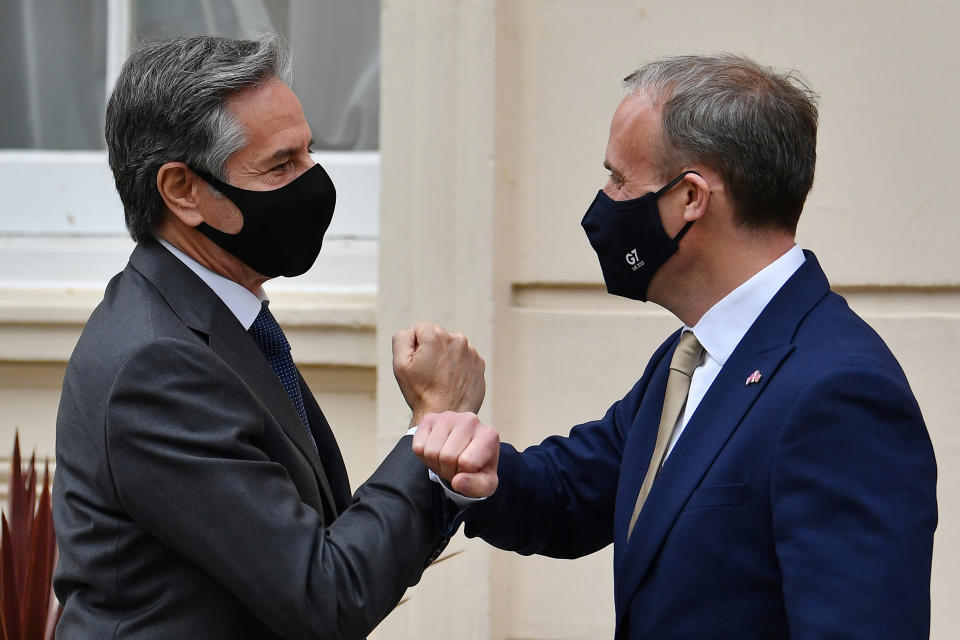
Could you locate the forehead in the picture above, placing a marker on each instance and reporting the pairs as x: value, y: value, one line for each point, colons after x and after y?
x: 271, y: 117
x: 635, y: 134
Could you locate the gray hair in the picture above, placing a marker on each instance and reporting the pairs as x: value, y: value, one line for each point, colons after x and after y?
x: 169, y: 104
x: 756, y: 126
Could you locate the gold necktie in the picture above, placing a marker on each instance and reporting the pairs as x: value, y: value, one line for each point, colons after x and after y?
x: 685, y: 359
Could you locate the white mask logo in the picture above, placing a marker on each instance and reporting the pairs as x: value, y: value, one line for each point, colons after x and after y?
x: 634, y: 260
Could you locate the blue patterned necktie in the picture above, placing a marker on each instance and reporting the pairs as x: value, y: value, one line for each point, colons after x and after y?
x: 269, y: 337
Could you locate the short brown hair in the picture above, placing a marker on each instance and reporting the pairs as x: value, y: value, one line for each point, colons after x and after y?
x: 756, y: 126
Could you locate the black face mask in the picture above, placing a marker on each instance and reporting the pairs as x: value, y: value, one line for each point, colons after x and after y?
x: 630, y: 240
x: 282, y: 229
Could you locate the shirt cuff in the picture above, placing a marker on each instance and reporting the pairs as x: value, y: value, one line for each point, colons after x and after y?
x: 459, y: 500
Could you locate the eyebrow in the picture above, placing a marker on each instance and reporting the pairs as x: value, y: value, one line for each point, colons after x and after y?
x: 609, y: 167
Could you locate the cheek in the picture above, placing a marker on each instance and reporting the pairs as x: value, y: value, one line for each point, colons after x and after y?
x: 671, y: 215
x: 615, y: 191
x: 234, y: 219
x: 622, y: 191
x: 220, y: 213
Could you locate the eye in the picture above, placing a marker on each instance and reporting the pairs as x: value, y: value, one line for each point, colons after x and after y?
x: 283, y: 166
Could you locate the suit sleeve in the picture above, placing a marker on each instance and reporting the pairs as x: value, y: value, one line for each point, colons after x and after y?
x: 182, y: 433
x: 854, y: 509
x: 557, y: 498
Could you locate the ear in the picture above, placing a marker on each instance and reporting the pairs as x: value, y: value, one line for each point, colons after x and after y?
x: 696, y: 191
x: 181, y: 190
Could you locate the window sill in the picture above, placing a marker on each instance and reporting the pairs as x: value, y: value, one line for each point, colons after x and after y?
x: 42, y: 325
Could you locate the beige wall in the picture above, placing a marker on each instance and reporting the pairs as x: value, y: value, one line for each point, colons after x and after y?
x: 494, y: 122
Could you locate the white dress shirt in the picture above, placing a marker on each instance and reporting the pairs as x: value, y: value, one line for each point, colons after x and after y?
x: 242, y: 303
x: 724, y: 325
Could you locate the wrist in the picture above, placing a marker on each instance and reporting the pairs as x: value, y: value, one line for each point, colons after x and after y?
x: 421, y: 409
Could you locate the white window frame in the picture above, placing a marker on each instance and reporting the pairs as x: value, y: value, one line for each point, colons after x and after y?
x: 61, y: 226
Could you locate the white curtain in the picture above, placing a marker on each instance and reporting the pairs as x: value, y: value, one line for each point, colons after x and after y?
x: 53, y: 63
x: 336, y: 45
x: 337, y: 70
x: 53, y: 72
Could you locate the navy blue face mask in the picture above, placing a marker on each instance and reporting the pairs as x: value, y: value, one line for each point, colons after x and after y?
x: 630, y: 240
x: 282, y: 229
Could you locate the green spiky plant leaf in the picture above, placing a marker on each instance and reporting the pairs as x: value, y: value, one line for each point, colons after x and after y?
x: 28, y: 556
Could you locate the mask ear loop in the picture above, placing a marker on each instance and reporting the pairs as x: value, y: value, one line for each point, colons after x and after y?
x: 669, y: 186
x: 674, y: 182
x: 683, y: 232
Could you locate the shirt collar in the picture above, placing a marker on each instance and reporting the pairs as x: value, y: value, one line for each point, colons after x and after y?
x: 241, y: 302
x: 723, y: 326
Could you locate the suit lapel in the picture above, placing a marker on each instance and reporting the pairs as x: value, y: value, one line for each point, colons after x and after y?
x: 765, y: 347
x: 233, y: 344
x: 639, y: 446
x: 201, y: 310
x: 716, y: 419
x: 330, y: 456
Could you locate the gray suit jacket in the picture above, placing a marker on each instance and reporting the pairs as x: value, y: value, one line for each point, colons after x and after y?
x: 189, y: 501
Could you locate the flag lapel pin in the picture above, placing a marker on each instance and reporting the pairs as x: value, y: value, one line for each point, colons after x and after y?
x: 754, y: 378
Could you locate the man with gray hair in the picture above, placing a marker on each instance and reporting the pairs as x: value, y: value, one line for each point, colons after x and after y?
x: 200, y: 492
x: 770, y: 474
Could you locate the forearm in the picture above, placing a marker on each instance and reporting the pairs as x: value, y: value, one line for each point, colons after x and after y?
x: 188, y: 470
x: 549, y: 501
x: 380, y: 545
x: 274, y: 553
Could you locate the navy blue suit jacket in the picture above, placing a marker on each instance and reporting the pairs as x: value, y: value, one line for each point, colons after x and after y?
x: 801, y: 506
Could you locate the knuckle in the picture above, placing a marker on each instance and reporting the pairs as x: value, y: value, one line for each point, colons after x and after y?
x: 467, y: 421
x: 425, y: 331
x: 469, y: 461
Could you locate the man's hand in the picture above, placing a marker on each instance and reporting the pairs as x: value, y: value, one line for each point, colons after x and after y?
x: 437, y: 371
x: 461, y: 450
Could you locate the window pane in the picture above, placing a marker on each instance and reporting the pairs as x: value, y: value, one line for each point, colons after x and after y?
x: 336, y: 46
x: 53, y: 70
x: 337, y: 70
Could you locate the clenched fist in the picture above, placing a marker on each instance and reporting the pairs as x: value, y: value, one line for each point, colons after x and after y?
x: 437, y: 371
x: 461, y: 450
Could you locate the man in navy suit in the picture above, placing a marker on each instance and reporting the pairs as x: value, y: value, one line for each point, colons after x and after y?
x: 770, y: 474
